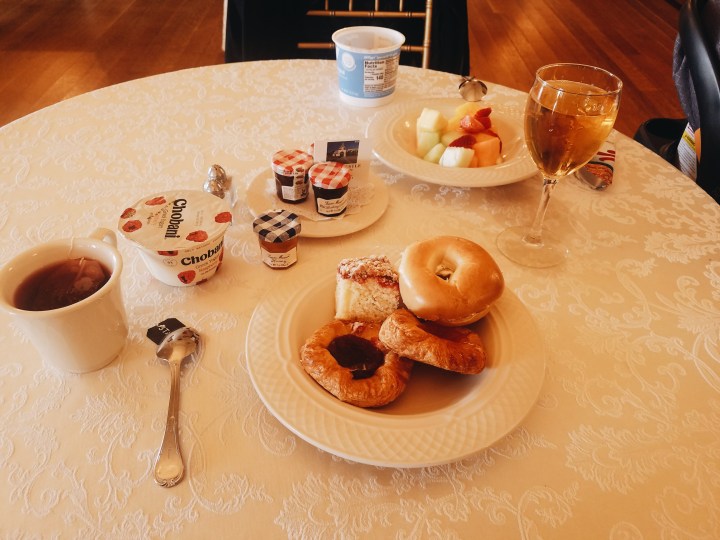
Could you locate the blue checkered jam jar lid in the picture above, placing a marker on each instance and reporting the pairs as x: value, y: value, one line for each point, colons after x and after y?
x: 277, y: 226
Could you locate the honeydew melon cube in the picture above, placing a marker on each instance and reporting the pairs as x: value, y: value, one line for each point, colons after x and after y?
x: 425, y: 141
x: 431, y: 120
x: 435, y: 152
x: 456, y: 156
x: 450, y: 136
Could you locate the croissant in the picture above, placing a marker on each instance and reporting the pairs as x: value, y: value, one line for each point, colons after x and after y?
x: 456, y: 349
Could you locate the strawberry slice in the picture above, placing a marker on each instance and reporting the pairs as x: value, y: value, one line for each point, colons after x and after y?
x: 482, y: 113
x: 484, y: 121
x: 471, y: 125
x: 466, y: 141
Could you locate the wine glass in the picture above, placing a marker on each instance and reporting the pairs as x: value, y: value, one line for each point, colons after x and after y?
x: 569, y: 113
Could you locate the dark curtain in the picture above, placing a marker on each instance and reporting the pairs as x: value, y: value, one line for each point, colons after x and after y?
x: 271, y: 29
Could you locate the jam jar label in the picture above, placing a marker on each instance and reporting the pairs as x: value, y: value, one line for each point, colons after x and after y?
x: 298, y: 190
x: 279, y: 260
x: 331, y: 207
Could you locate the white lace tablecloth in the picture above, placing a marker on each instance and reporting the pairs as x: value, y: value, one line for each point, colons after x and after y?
x: 623, y: 443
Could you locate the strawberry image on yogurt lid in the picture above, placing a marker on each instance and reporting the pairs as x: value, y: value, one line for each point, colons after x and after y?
x: 179, y: 234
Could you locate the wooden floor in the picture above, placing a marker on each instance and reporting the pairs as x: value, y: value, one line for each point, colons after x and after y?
x: 54, y: 49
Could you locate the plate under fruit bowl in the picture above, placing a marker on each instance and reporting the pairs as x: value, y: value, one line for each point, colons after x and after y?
x: 440, y: 418
x: 392, y: 133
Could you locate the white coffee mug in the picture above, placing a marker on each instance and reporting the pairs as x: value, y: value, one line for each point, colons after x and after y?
x: 81, y: 337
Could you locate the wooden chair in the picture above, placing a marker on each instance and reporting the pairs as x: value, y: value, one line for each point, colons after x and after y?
x: 357, y: 12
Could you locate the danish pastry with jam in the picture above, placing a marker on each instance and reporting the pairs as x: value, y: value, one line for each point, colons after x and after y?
x: 348, y: 360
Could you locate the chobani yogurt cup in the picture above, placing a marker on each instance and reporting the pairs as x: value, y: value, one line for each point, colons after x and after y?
x: 179, y: 234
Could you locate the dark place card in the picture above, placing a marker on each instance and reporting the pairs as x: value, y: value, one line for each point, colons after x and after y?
x: 158, y: 332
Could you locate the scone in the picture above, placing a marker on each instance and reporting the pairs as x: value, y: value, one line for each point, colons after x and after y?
x: 367, y: 289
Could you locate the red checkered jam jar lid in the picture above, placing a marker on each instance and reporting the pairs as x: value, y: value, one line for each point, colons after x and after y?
x: 286, y: 162
x: 277, y: 226
x: 329, y: 175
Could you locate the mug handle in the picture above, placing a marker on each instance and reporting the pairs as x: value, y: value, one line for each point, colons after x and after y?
x: 106, y: 235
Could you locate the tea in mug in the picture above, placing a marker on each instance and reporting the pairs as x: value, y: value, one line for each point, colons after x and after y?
x: 61, y: 284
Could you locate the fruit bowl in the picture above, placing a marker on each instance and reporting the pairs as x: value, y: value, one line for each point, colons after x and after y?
x: 392, y: 133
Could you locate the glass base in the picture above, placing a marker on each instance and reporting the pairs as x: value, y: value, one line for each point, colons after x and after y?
x: 513, y: 244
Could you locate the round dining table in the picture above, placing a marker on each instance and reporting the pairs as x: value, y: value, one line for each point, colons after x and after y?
x: 597, y: 416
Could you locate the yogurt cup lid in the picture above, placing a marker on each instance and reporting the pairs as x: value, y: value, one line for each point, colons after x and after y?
x: 277, y: 226
x: 175, y: 220
x: 329, y: 175
x: 286, y: 162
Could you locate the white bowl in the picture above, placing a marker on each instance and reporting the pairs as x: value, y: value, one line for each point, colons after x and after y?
x: 392, y: 133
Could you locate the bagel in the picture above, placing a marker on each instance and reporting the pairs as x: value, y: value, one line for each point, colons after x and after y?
x: 450, y: 348
x: 372, y: 375
x: 449, y: 280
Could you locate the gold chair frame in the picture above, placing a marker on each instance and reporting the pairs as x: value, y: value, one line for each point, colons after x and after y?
x: 377, y: 13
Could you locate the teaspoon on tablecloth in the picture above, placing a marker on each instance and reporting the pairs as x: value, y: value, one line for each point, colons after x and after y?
x: 177, y: 346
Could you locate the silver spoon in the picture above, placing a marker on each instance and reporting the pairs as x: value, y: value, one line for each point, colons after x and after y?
x: 472, y: 89
x: 176, y: 347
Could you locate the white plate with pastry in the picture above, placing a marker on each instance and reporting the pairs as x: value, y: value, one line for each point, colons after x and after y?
x: 392, y: 133
x: 441, y: 417
x: 366, y: 205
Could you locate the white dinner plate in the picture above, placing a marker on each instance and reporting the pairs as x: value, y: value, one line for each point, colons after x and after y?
x: 260, y: 199
x: 392, y: 133
x: 441, y: 417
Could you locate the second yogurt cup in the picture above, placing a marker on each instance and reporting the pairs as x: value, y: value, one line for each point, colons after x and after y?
x: 367, y: 64
x: 179, y: 234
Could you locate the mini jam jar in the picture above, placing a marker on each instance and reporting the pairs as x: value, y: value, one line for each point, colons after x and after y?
x: 330, y: 181
x: 291, y: 175
x: 278, y: 232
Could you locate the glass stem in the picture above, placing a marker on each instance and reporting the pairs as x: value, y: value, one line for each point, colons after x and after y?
x: 534, y: 235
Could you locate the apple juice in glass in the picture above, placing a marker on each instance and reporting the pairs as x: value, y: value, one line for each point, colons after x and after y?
x: 570, y: 111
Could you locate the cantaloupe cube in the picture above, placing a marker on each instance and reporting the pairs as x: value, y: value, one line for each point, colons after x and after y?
x: 487, y: 149
x: 456, y: 156
x: 435, y: 153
